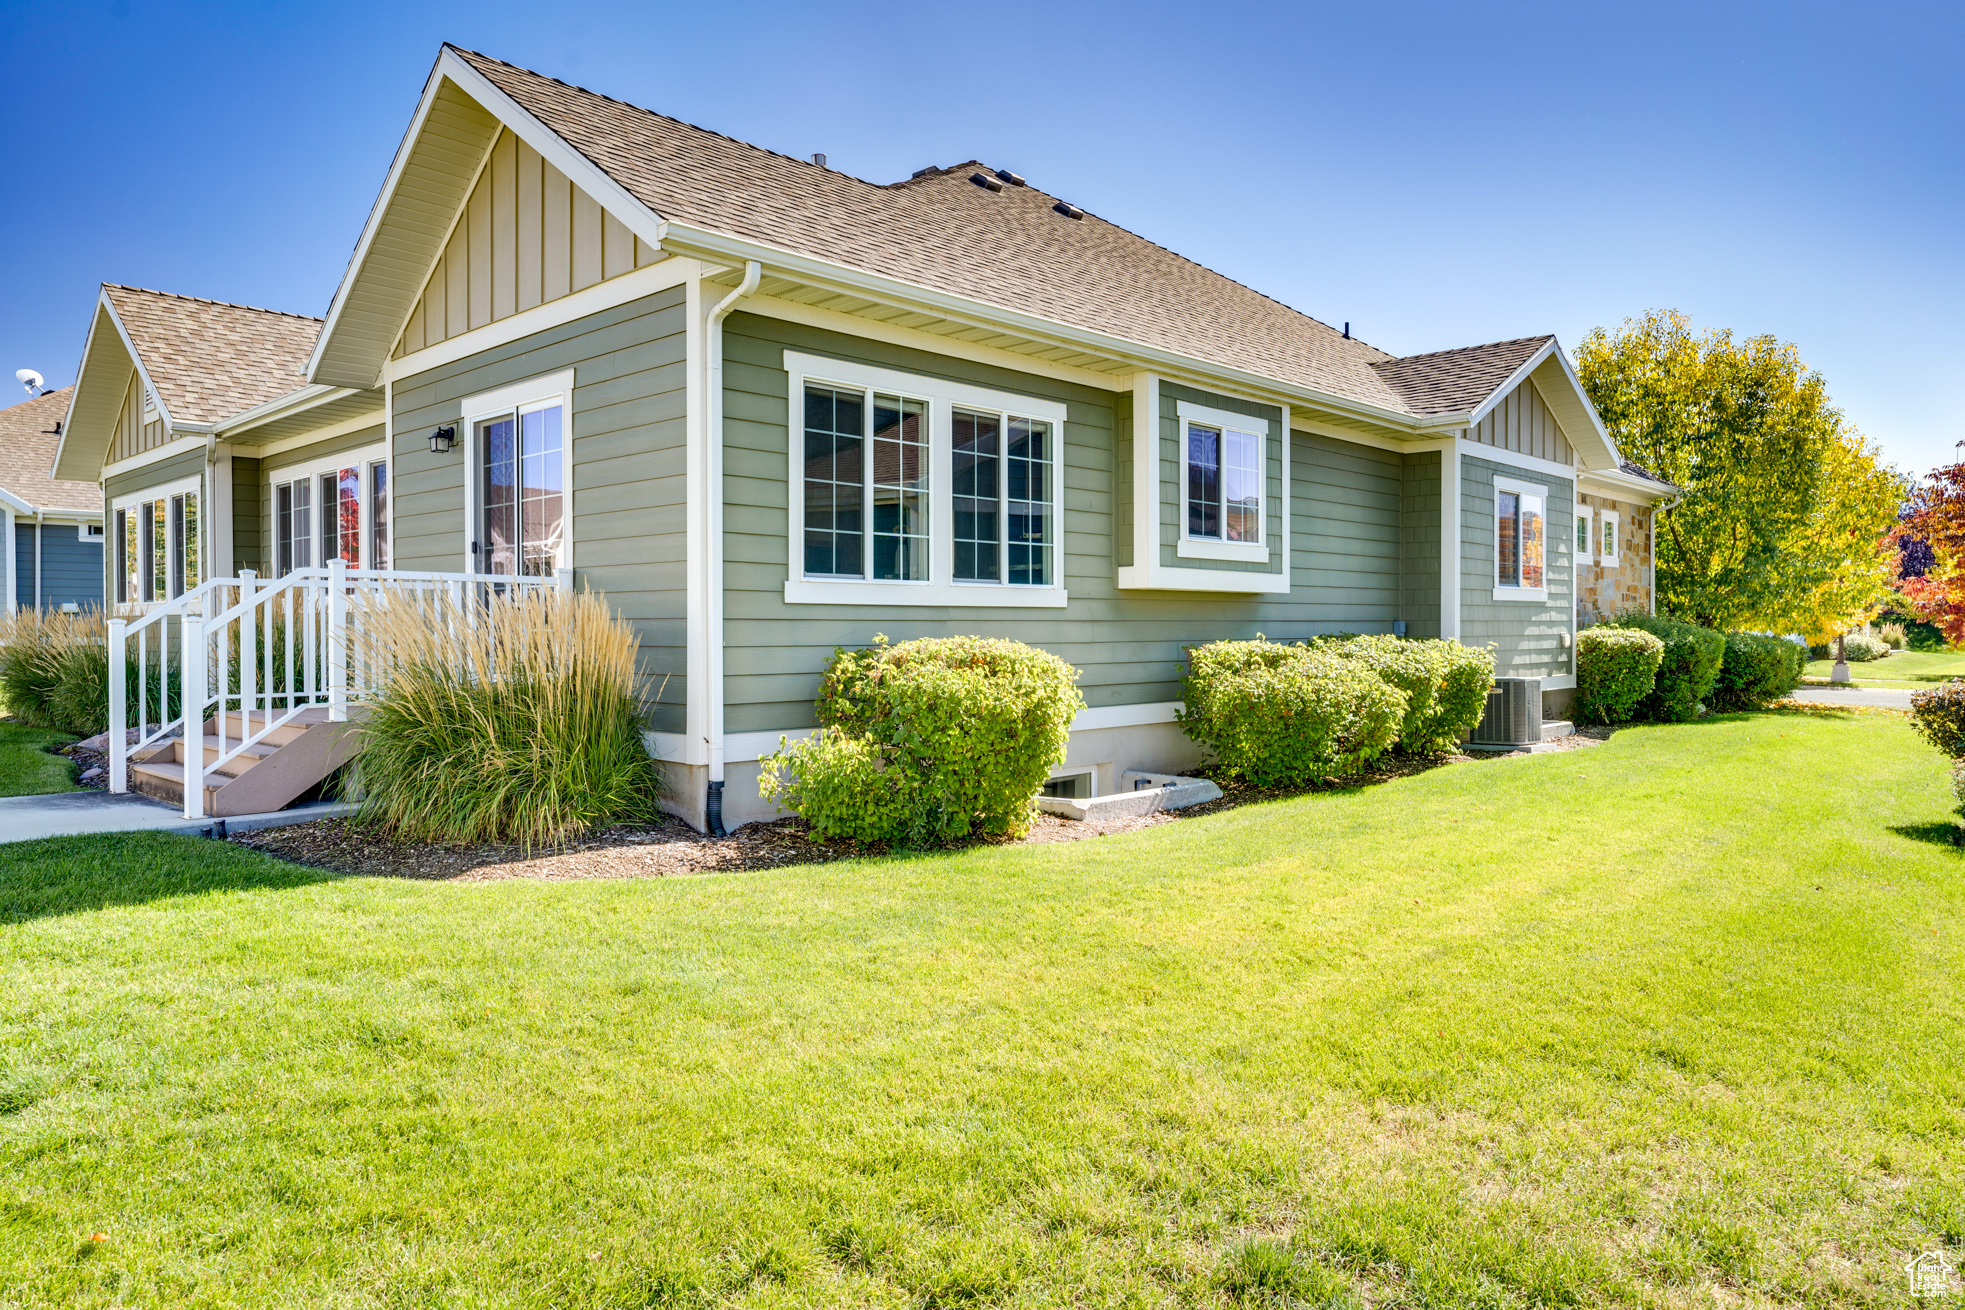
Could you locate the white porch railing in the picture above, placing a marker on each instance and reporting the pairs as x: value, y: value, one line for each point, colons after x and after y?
x: 255, y: 654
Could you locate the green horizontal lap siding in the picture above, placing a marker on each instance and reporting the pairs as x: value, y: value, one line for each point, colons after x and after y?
x: 1526, y: 636
x: 249, y: 531
x: 1173, y: 479
x: 627, y: 430
x: 191, y: 464
x: 1127, y: 645
x: 1419, y: 542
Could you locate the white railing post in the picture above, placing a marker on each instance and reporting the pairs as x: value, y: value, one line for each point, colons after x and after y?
x: 337, y: 641
x: 119, y: 735
x: 191, y: 708
x: 248, y: 651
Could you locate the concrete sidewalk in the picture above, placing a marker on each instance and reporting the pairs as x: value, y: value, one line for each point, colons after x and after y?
x: 1891, y: 698
x: 81, y: 813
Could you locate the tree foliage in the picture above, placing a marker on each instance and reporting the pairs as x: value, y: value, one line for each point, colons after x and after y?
x: 1785, y: 523
x: 1931, y: 545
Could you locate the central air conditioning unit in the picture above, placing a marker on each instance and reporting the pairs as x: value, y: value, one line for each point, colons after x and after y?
x: 1513, y: 717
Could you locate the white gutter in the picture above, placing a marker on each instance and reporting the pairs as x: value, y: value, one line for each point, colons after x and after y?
x: 713, y: 529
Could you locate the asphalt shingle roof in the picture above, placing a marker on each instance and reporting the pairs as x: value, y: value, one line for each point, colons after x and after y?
x: 1454, y: 381
x: 28, y: 438
x: 210, y: 360
x: 939, y: 230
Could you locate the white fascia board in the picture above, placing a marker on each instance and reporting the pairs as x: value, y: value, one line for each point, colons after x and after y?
x: 1607, y: 445
x: 718, y: 247
x: 1515, y: 379
x: 19, y: 506
x: 163, y: 410
x: 1619, y: 482
x: 294, y: 402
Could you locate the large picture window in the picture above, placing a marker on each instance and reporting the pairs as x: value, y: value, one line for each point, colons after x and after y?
x: 916, y: 490
x: 1519, y: 539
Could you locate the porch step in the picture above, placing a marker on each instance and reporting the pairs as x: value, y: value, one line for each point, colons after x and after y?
x: 268, y: 775
x: 239, y: 726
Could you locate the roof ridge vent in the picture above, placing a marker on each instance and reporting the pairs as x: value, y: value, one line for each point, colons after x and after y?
x: 924, y: 172
x: 1069, y: 211
x: 1012, y: 178
x: 985, y: 181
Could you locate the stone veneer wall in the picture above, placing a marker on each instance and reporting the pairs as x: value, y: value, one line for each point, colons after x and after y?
x: 1604, y: 590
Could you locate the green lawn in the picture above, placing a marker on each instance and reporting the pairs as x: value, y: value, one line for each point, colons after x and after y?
x: 1673, y: 1021
x: 1904, y: 668
x: 26, y: 767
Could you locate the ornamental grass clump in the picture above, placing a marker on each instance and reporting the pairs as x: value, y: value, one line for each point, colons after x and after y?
x: 1287, y: 716
x: 516, y: 721
x: 1756, y: 670
x: 54, y: 670
x: 1615, y: 670
x: 1445, y: 684
x: 927, y: 741
x: 1686, y: 672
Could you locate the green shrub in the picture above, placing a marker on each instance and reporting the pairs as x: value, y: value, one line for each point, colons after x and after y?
x: 1615, y: 671
x: 1755, y: 671
x: 927, y: 741
x: 1958, y: 784
x: 1687, y: 671
x: 1939, y: 714
x: 1281, y: 715
x: 1861, y: 648
x: 1445, y: 683
x: 518, y: 725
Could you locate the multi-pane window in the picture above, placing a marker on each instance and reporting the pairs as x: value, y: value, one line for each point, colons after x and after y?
x: 976, y: 471
x: 522, y: 494
x: 331, y: 514
x: 1224, y: 483
x: 293, y: 525
x: 866, y: 484
x: 341, y: 516
x: 1028, y: 499
x: 1582, y: 535
x: 158, y: 541
x: 1518, y: 536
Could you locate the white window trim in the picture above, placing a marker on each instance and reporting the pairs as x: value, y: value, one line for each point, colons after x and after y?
x: 1519, y: 487
x: 1616, y: 551
x: 1254, y: 552
x: 360, y: 458
x: 193, y: 485
x: 532, y: 394
x: 100, y: 534
x: 1086, y: 771
x: 943, y: 396
x: 1586, y: 519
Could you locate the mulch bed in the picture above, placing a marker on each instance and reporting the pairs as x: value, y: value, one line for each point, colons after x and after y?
x: 671, y: 847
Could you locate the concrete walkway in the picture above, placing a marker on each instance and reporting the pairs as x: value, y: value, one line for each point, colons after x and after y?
x: 1892, y: 698
x: 81, y: 813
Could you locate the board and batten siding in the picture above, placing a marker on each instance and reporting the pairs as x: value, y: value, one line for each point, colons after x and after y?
x: 1127, y: 645
x: 527, y: 235
x: 132, y: 436
x: 1523, y: 424
x: 1527, y: 636
x: 627, y: 499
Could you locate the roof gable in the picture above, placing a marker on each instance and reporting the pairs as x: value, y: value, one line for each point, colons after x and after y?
x: 207, y: 360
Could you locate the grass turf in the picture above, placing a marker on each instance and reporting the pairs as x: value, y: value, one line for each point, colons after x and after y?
x: 1664, y: 1022
x: 1904, y: 668
x: 26, y: 767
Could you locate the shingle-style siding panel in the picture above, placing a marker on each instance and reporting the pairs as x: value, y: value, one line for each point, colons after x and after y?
x: 1527, y: 636
x: 627, y: 431
x: 71, y: 568
x: 1173, y: 479
x: 524, y: 226
x: 1419, y: 540
x: 1523, y: 424
x: 1127, y: 645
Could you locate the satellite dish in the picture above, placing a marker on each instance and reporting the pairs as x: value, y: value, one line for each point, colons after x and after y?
x: 28, y: 378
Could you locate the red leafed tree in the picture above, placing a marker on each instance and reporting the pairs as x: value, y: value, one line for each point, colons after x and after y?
x: 1937, y: 518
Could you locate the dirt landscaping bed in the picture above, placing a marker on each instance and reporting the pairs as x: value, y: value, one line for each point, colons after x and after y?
x: 671, y: 847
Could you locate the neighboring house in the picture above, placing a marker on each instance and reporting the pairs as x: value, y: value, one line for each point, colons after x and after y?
x: 51, y: 528
x: 1615, y: 526
x: 770, y: 409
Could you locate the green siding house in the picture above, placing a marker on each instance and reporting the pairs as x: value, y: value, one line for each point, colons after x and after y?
x: 770, y: 409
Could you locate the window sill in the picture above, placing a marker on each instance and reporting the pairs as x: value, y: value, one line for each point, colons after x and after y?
x: 983, y: 595
x: 1536, y: 595
x: 1248, y: 552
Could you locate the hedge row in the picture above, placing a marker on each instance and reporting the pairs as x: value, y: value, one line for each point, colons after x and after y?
x: 1639, y: 666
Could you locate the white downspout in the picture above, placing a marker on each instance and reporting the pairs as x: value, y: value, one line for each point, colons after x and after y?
x: 713, y: 530
x: 39, y: 527
x: 12, y: 556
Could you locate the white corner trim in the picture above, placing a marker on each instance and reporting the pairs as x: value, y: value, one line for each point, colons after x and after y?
x: 1538, y: 595
x: 955, y: 595
x: 487, y: 404
x: 618, y: 290
x: 1531, y: 463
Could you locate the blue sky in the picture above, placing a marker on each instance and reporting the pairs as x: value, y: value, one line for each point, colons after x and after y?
x: 1437, y: 175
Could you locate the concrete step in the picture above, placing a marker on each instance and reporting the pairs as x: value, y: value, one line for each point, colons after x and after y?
x: 1554, y: 728
x: 163, y: 780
